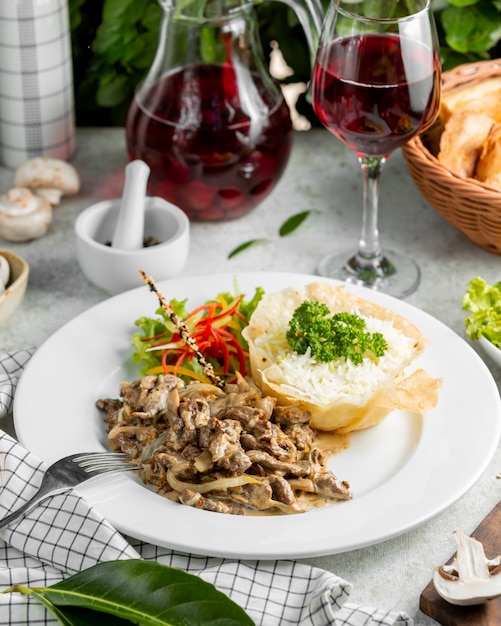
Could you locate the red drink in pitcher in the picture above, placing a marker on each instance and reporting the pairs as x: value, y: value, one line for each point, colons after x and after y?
x: 209, y: 153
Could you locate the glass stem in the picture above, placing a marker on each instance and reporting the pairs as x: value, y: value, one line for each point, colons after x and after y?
x: 369, y: 258
x: 368, y: 246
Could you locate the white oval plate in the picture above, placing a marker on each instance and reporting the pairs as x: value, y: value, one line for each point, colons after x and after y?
x: 403, y: 472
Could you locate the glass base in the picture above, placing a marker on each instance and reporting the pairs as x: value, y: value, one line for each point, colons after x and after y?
x: 393, y: 273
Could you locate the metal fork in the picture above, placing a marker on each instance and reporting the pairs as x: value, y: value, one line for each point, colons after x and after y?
x: 71, y: 471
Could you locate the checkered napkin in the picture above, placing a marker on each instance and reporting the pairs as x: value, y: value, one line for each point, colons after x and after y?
x: 11, y: 368
x: 64, y: 535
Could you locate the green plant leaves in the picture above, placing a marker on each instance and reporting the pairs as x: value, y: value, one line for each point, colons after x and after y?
x: 471, y: 27
x: 113, y: 92
x: 112, y: 50
x: 144, y: 592
x: 119, y: 37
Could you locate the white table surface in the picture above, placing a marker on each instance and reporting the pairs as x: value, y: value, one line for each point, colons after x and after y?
x: 322, y: 175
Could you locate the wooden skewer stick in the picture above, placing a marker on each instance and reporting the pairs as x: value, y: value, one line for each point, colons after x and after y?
x: 184, y: 333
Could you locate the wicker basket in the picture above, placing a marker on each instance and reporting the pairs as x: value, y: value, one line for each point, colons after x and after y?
x: 472, y: 207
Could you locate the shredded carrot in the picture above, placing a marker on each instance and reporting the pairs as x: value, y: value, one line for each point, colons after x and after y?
x: 181, y: 371
x: 216, y: 327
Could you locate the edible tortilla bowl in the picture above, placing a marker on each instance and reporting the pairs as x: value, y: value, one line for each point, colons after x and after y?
x: 417, y: 392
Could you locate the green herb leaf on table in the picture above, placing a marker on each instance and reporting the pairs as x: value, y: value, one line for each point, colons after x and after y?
x: 143, y: 592
x: 244, y: 246
x: 293, y: 222
x: 289, y: 226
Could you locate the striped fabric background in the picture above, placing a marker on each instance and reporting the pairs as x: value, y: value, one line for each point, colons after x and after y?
x: 36, y: 81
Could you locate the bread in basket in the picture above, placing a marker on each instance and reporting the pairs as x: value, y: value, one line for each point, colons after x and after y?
x: 470, y: 205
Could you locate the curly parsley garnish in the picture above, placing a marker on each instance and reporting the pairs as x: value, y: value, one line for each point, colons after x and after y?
x: 331, y: 336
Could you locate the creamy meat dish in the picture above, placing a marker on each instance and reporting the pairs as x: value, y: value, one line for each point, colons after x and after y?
x: 230, y: 451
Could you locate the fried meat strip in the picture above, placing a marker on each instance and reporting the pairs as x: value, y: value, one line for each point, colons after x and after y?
x: 151, y: 395
x: 230, y: 450
x: 193, y: 498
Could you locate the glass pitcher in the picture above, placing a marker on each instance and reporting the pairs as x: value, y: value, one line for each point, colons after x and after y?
x: 209, y: 120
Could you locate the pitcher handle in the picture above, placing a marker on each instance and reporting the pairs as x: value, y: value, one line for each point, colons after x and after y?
x: 310, y: 15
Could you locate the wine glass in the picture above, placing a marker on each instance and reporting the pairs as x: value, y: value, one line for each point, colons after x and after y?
x: 376, y: 83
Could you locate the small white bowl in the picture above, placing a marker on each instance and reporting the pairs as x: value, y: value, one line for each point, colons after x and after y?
x: 116, y: 270
x: 14, y: 292
x: 492, y: 351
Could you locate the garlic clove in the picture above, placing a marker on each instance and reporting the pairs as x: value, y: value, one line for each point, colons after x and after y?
x: 471, y: 578
x: 4, y: 272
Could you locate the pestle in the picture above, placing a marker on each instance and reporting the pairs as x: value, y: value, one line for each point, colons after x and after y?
x: 129, y: 231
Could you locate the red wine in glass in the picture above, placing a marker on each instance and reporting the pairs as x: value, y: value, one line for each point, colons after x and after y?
x: 375, y: 116
x: 206, y: 154
x: 374, y: 89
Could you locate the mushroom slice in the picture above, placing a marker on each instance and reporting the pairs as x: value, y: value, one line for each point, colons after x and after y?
x: 23, y: 216
x: 471, y: 578
x: 4, y: 273
x: 48, y: 177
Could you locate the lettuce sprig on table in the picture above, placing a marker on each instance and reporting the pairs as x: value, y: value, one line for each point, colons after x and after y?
x: 483, y: 300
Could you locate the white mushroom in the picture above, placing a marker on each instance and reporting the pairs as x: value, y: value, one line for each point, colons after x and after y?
x: 471, y: 578
x: 23, y: 215
x: 4, y: 273
x: 48, y: 177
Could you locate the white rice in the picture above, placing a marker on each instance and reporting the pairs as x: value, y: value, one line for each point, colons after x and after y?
x: 321, y: 383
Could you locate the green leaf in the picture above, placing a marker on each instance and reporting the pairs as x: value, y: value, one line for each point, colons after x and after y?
x: 293, y: 222
x: 463, y: 3
x: 122, y: 11
x: 144, y: 592
x: 152, y: 16
x: 212, y: 50
x: 471, y: 28
x: 144, y: 57
x: 75, y: 13
x: 77, y: 616
x: 111, y: 93
x: 244, y: 246
x: 67, y: 616
x: 133, y: 50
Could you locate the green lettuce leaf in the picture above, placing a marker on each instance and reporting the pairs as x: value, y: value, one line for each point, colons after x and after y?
x: 483, y: 300
x: 151, y: 327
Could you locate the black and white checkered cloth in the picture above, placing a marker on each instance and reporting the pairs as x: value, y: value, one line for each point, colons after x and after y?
x: 11, y: 368
x: 64, y: 535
